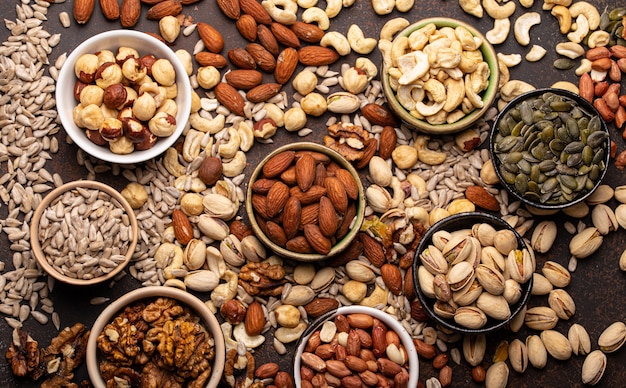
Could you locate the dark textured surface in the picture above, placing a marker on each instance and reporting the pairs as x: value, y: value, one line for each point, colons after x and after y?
x: 598, y: 286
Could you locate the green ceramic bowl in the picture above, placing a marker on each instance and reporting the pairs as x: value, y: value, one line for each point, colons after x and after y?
x: 488, y: 95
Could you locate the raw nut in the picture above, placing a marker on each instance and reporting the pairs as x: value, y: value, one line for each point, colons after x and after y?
x: 388, y: 140
x: 263, y: 58
x: 348, y: 182
x: 379, y: 115
x: 163, y: 9
x: 212, y: 38
x: 263, y: 92
x: 286, y: 65
x: 425, y: 350
x: 182, y: 227
x: 292, y: 214
x: 255, y: 319
x: 479, y: 196
x: 305, y: 172
x: 373, y: 250
x: 241, y: 59
x: 230, y: 98
x: 256, y: 10
x: 82, y: 10
x: 266, y: 371
x: 336, y: 193
x: 233, y: 311
x: 317, y: 56
x: 315, y: 238
x: 267, y: 39
x: 130, y: 12
x: 319, y: 306
x: 210, y: 170
x: 284, y: 35
x: 307, y: 32
x: 283, y: 380
x: 276, y: 233
x: 246, y: 25
x: 206, y: 58
x: 110, y: 9
x: 278, y: 163
x: 392, y: 278
x: 244, y: 79
x: 277, y: 198
x: 370, y: 150
x: 327, y: 217
x: 230, y: 8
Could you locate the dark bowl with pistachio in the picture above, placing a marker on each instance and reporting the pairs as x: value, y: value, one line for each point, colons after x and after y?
x: 550, y: 148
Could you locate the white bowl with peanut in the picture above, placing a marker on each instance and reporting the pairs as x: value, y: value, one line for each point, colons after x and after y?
x: 123, y: 96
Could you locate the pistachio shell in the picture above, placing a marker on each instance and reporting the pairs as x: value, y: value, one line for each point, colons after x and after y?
x: 518, y: 356
x: 543, y: 236
x: 601, y: 195
x: 194, y: 256
x: 620, y: 193
x: 442, y: 288
x: 230, y: 248
x: 613, y: 337
x: 620, y: 214
x: 558, y: 275
x: 556, y: 344
x: 460, y: 275
x: 212, y: 227
x: 585, y: 243
x: 470, y: 317
x: 604, y: 219
x: 299, y: 295
x: 579, y: 339
x: 201, y: 281
x: 512, y: 291
x: 593, y: 367
x: 562, y: 303
x: 474, y: 346
x: 458, y: 249
x: 468, y: 294
x: 343, y: 102
x: 497, y: 375
x: 490, y: 256
x: 517, y: 322
x: 252, y: 249
x: 540, y: 318
x: 322, y: 278
x: 425, y: 279
x: 490, y: 278
x: 537, y: 353
x: 485, y: 233
x: 440, y: 238
x: 360, y: 271
x: 433, y: 260
x: 541, y: 285
x: 505, y: 241
x: 495, y: 306
x: 519, y: 265
x: 445, y: 310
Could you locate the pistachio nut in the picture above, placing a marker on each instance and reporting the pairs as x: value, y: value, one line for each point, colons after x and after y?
x: 426, y: 279
x: 620, y: 214
x: 230, y: 248
x: 343, y: 102
x: 519, y: 265
x: 497, y: 375
x: 620, y: 194
x: 517, y: 322
x: 604, y: 219
x: 460, y: 275
x: 490, y: 278
x: 556, y: 344
x: 322, y: 278
x: 505, y: 241
x: 540, y: 318
x: 558, y: 275
x: 579, y: 339
x: 485, y: 233
x: 543, y: 236
x: 593, y: 367
x: 298, y: 295
x: 433, y: 260
x: 378, y: 198
x: 541, y: 285
x: 537, y: 354
x: 441, y: 288
x: 470, y: 317
x: 360, y: 271
x: 219, y: 206
x: 194, y: 256
x: 600, y: 195
x: 380, y: 171
x: 622, y: 261
x: 495, y: 306
x: 459, y: 249
x: 474, y: 346
x: 252, y: 249
x: 201, y: 281
x: 585, y: 243
x: 468, y: 294
x: 512, y: 291
x: 214, y: 228
x: 562, y: 303
x: 445, y: 310
x: 491, y: 257
x: 518, y: 356
x: 613, y: 337
x: 579, y: 210
x: 441, y: 237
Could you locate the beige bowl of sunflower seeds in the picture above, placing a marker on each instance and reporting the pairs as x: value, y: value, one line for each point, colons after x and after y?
x: 83, y: 233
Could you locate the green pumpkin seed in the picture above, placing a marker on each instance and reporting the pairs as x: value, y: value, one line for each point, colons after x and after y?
x: 564, y: 64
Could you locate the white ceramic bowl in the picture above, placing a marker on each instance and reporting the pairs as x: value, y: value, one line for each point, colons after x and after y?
x: 209, y: 320
x: 112, y: 40
x: 387, y: 319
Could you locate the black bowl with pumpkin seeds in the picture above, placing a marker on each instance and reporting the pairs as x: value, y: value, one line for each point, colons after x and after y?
x: 550, y: 148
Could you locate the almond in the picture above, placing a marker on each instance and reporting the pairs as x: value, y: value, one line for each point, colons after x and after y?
x: 289, y: 176
x: 259, y: 204
x: 110, y: 9
x: 206, y: 58
x: 307, y: 32
x: 278, y: 163
x: 392, y: 278
x: 319, y: 306
x: 267, y: 39
x: 348, y: 182
x: 336, y: 193
x: 284, y: 35
x: 327, y: 217
x: 266, y: 371
x: 479, y: 196
x: 388, y: 139
x: 317, y: 56
x: 379, y: 115
x: 255, y: 319
x: 242, y: 59
x: 408, y: 285
x: 230, y: 98
x: 130, y: 12
x: 299, y: 244
x: 292, y: 214
x: 263, y: 58
x: 310, y: 214
x: 211, y: 37
x: 277, y: 198
x: 368, y: 152
x: 182, y: 227
x: 372, y: 250
x: 246, y: 25
x: 230, y: 8
x: 286, y: 65
x: 305, y: 172
x: 308, y: 197
x: 315, y: 238
x: 82, y: 10
x: 163, y: 9
x: 276, y: 233
x: 318, y: 156
x: 240, y: 230
x: 262, y: 186
x: 244, y: 79
x: 346, y: 221
x: 256, y: 10
x: 320, y: 174
x: 263, y: 92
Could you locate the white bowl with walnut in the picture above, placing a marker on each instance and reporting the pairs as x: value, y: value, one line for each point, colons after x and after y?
x: 123, y: 96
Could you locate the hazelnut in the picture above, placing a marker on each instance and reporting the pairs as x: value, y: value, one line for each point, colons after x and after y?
x: 264, y: 128
x: 210, y: 170
x: 208, y: 77
x: 148, y: 142
x: 355, y: 80
x: 135, y: 194
x: 76, y: 113
x: 115, y: 96
x: 169, y: 106
x: 105, y: 56
x: 305, y: 82
x: 134, y: 130
x: 233, y: 311
x: 131, y: 96
x: 162, y: 124
x: 91, y: 94
x: 86, y: 67
x: 163, y: 72
x: 78, y: 88
x: 121, y: 146
x: 91, y: 117
x: 125, y: 113
x: 108, y: 73
x: 314, y: 104
x: 95, y: 137
x: 124, y: 53
x: 133, y: 70
x: 169, y: 27
x: 144, y: 107
x: 147, y: 61
x: 111, y: 129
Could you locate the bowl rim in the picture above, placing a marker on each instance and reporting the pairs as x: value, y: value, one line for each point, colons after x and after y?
x: 405, y: 338
x: 360, y: 203
x: 473, y: 218
x: 111, y: 40
x: 581, y: 102
x: 488, y: 95
x: 186, y: 298
x: 54, y: 194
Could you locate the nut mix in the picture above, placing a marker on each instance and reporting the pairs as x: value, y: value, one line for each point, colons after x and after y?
x: 125, y: 101
x: 158, y: 342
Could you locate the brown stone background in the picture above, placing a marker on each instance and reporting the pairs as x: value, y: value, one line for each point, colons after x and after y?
x: 597, y: 286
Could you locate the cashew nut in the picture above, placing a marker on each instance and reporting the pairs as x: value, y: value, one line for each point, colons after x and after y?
x: 215, y: 261
x: 398, y: 193
x: 235, y: 166
x: 535, y: 54
x: 430, y: 109
x: 585, y: 67
x: 404, y: 5
x: 282, y: 11
x: 499, y: 32
x: 229, y: 149
x: 589, y: 10
x: 384, y: 46
x: 598, y: 38
x: 399, y: 47
x: 522, y: 26
x: 333, y: 7
x: 472, y: 7
x: 358, y: 42
x: 471, y: 95
x: 225, y: 291
x: 289, y: 334
x: 336, y: 40
x: 316, y: 15
x: 348, y: 3
x: 497, y: 11
x: 377, y: 297
x: 251, y: 341
x: 426, y: 155
x: 176, y: 262
x: 419, y: 38
x: 392, y: 27
x: 246, y: 136
x: 455, y: 91
x: 418, y: 70
x: 383, y: 7
x: 582, y: 29
x: 562, y: 15
x: 171, y: 163
x: 510, y: 60
x: 504, y: 74
x: 526, y: 3
x: 367, y: 66
x: 202, y: 124
x: 566, y: 85
x: 306, y: 3
x: 514, y: 88
x: 436, y: 90
x: 570, y: 49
